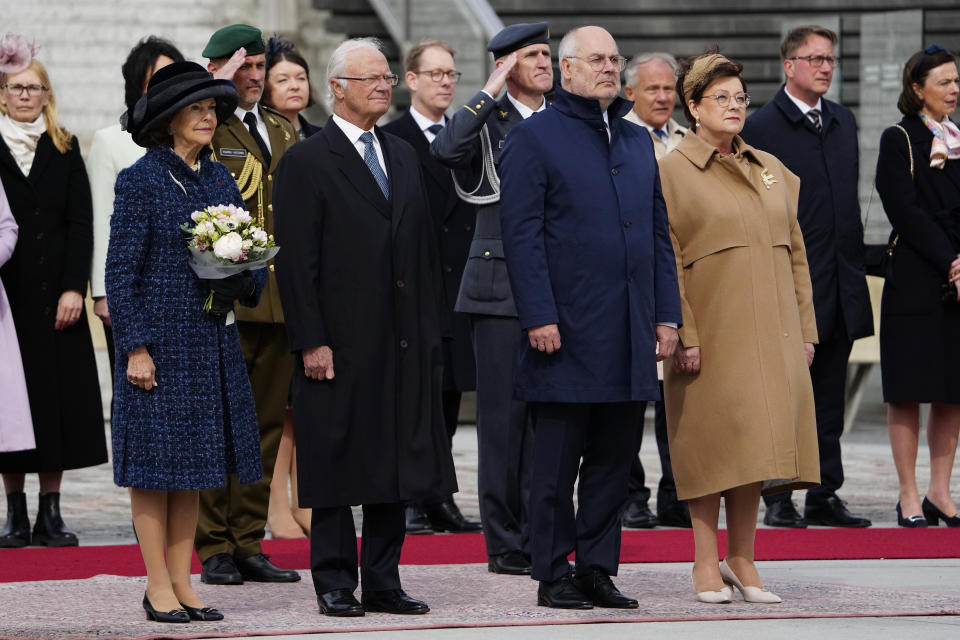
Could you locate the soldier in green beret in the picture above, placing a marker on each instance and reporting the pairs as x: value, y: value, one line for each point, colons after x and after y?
x: 250, y: 143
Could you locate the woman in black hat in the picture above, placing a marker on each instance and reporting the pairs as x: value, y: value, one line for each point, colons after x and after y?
x: 183, y: 411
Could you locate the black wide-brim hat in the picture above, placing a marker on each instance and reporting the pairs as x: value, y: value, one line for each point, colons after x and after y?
x: 172, y: 88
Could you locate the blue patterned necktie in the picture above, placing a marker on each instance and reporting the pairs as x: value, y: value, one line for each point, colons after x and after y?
x: 660, y: 133
x: 370, y: 157
x: 435, y: 128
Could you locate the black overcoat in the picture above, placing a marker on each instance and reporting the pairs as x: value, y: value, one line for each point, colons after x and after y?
x: 829, y: 209
x: 53, y: 254
x: 911, y: 306
x: 453, y: 221
x: 359, y: 274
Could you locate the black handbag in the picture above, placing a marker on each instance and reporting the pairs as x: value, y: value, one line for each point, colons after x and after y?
x: 878, y: 258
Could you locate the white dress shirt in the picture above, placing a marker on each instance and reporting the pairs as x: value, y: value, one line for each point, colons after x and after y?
x: 261, y: 125
x: 353, y: 133
x: 425, y: 123
x: 803, y: 106
x: 523, y: 109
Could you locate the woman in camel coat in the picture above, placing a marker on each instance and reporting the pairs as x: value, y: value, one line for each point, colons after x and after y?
x: 739, y: 402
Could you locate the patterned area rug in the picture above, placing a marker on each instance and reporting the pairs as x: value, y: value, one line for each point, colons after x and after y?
x: 459, y: 596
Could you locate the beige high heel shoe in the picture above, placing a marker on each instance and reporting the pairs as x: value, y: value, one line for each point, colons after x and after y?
x: 750, y: 594
x: 720, y: 596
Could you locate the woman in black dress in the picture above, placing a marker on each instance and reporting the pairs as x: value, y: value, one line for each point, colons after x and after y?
x: 46, y: 279
x: 918, y: 179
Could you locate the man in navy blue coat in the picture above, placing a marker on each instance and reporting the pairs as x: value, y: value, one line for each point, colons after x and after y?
x: 594, y: 279
x: 817, y: 140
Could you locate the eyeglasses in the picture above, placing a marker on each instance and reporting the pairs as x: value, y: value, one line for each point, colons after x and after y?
x: 598, y: 62
x: 390, y: 78
x: 437, y: 75
x: 33, y: 90
x: 817, y: 61
x: 743, y: 99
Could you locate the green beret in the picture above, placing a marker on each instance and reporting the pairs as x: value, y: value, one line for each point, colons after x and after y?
x: 225, y: 42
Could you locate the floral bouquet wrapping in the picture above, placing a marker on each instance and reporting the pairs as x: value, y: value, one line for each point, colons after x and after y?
x: 223, y: 242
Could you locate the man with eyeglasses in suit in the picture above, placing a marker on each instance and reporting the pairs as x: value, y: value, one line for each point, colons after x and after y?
x: 431, y: 76
x: 817, y: 140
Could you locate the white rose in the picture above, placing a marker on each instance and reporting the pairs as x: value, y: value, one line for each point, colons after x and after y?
x: 228, y: 247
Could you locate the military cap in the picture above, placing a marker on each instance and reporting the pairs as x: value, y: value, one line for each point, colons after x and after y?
x: 225, y: 42
x: 517, y: 36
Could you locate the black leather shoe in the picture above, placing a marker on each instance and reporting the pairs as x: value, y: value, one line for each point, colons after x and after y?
x: 220, y: 569
x: 446, y: 516
x: 16, y: 532
x: 637, y: 515
x: 392, y: 601
x: 258, y: 568
x: 512, y: 563
x: 674, y: 514
x: 832, y: 512
x: 598, y: 586
x: 174, y: 615
x: 49, y: 530
x: 339, y: 603
x: 562, y: 594
x: 933, y: 515
x: 416, y: 520
x: 202, y: 614
x: 782, y: 513
x: 911, y: 522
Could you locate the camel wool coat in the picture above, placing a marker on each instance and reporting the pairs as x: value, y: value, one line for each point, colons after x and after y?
x: 748, y: 415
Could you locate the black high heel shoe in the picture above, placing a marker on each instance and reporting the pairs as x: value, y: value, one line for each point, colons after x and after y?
x: 174, y: 615
x: 204, y: 614
x: 934, y: 515
x: 911, y: 522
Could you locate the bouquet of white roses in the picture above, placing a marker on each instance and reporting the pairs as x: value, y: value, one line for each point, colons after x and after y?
x: 223, y: 241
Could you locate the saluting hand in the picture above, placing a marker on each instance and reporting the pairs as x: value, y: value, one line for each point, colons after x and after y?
x: 499, y: 76
x: 318, y: 363
x: 228, y: 70
x: 545, y: 337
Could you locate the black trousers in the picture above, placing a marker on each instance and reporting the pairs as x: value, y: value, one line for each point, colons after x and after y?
x: 504, y: 435
x: 637, y: 490
x: 451, y: 413
x: 829, y: 376
x: 333, y: 548
x: 598, y: 440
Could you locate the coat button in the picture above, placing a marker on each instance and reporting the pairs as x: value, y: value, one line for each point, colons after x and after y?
x: 629, y: 278
x: 41, y: 259
x: 467, y: 227
x: 270, y: 207
x: 269, y: 177
x: 486, y: 254
x: 786, y: 335
x: 43, y: 286
x: 271, y: 268
x: 448, y: 269
x: 36, y: 212
x: 40, y: 236
x: 615, y: 171
x: 626, y: 223
x: 403, y: 344
x: 401, y: 284
x: 445, y: 228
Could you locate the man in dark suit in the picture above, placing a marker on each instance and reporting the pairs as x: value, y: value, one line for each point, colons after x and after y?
x: 431, y: 76
x: 250, y: 142
x: 817, y: 140
x: 471, y: 143
x: 594, y: 277
x: 360, y: 284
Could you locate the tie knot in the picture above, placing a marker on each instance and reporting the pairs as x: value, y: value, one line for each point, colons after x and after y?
x: 250, y: 119
x: 435, y: 128
x: 660, y: 133
x: 366, y: 137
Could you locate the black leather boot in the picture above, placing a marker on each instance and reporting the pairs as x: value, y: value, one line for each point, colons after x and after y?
x: 49, y: 530
x: 16, y: 533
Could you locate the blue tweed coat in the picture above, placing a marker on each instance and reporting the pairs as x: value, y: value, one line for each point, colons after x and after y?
x: 199, y: 423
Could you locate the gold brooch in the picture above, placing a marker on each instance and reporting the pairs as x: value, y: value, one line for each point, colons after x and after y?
x: 767, y: 178
x: 503, y: 114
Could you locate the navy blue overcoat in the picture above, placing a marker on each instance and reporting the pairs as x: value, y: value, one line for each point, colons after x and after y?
x: 587, y: 246
x: 198, y: 424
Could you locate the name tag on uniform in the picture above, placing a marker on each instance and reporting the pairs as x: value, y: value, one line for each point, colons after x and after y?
x: 233, y: 153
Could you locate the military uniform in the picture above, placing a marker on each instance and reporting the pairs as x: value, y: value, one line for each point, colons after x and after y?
x: 503, y: 429
x: 232, y: 519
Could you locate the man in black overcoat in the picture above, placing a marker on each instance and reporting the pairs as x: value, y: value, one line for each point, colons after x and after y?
x: 431, y: 76
x: 817, y: 140
x: 360, y: 285
x: 471, y: 143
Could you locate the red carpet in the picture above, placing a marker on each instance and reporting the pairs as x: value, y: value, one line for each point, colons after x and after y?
x: 666, y: 545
